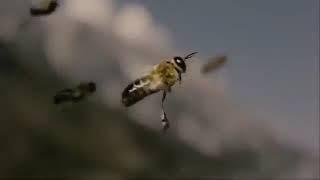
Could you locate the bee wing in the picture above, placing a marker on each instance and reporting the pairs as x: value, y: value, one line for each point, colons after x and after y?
x: 214, y: 63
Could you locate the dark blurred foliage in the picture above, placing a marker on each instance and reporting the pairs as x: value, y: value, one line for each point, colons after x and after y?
x: 90, y: 140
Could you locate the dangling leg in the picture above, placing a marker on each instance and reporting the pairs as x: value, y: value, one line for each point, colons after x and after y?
x: 164, y: 119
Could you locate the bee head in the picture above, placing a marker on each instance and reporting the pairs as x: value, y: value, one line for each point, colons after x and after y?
x: 180, y: 64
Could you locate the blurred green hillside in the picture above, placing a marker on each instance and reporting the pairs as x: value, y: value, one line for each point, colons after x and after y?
x: 90, y: 140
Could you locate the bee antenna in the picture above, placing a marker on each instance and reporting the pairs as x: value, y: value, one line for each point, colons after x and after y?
x: 190, y: 55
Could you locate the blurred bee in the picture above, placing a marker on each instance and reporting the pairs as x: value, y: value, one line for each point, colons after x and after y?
x: 213, y: 64
x: 161, y: 78
x: 43, y: 7
x: 39, y: 8
x: 75, y: 94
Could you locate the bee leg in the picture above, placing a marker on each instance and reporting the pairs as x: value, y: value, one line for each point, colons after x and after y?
x: 164, y: 119
x: 180, y: 78
x: 163, y: 97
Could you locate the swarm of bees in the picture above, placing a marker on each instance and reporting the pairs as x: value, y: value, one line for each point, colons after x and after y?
x: 160, y: 78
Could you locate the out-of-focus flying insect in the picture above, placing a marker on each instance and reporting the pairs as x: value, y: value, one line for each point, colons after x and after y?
x: 43, y: 7
x: 214, y: 63
x: 161, y: 78
x: 39, y: 8
x: 75, y: 94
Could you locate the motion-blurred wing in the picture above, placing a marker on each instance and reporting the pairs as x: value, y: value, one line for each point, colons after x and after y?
x: 43, y: 7
x: 214, y: 63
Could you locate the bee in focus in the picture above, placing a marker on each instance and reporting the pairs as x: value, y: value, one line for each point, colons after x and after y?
x: 161, y: 78
x: 43, y: 7
x: 75, y: 94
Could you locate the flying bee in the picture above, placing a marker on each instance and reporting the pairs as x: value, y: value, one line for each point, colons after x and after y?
x: 214, y: 63
x: 75, y: 94
x: 43, y: 7
x: 161, y: 78
x: 39, y: 8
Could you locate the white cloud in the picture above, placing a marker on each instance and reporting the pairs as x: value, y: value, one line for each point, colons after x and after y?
x: 96, y: 13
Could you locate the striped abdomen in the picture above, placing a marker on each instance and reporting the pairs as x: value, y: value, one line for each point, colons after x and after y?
x: 136, y: 91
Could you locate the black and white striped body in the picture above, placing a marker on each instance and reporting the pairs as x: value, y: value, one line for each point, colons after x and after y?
x: 137, y: 90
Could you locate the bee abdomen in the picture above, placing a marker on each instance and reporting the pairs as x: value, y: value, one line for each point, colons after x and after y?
x: 68, y: 95
x: 63, y: 96
x: 136, y: 91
